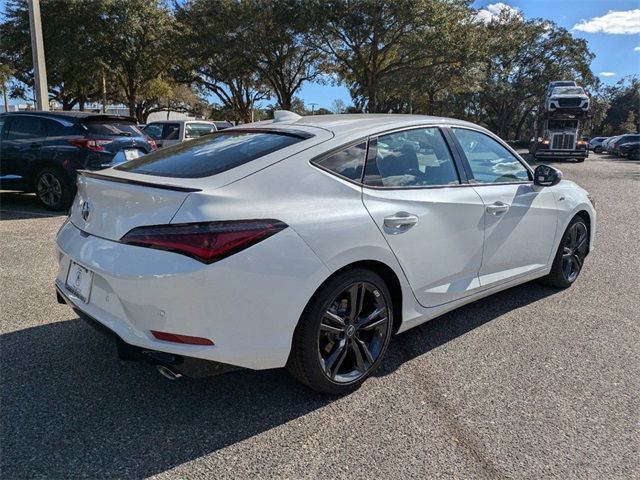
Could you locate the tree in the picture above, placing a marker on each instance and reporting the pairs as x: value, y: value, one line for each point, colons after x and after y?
x: 524, y: 57
x: 372, y: 42
x: 630, y: 125
x: 144, y: 33
x: 213, y: 37
x: 280, y: 46
x: 338, y: 106
x: 69, y: 32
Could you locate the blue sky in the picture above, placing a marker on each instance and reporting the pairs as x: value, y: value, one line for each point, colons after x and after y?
x: 611, y: 27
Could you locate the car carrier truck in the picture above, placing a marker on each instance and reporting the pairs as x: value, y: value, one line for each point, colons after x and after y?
x: 562, y: 120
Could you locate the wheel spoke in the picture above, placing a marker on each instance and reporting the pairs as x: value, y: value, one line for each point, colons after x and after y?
x: 356, y: 298
x: 567, y: 266
x: 365, y: 350
x: 573, y: 236
x: 334, y: 318
x: 358, y: 354
x: 334, y: 362
x: 378, y: 311
x: 582, y: 242
x: 578, y: 261
x: 375, y: 324
x: 330, y: 328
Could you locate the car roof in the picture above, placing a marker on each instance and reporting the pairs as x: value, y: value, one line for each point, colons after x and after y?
x: 71, y: 116
x: 357, y: 124
x: 182, y: 120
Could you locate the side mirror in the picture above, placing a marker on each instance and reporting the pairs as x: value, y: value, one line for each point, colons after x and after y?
x: 546, y: 176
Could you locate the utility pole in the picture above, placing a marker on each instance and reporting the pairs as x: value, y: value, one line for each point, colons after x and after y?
x: 6, y: 97
x: 41, y: 88
x: 313, y: 107
x: 104, y: 93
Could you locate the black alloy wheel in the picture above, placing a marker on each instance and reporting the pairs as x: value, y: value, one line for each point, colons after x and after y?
x: 352, y: 332
x: 343, y: 333
x: 572, y: 251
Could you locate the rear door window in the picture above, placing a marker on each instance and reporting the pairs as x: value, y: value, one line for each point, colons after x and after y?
x: 170, y: 131
x: 195, y: 130
x: 55, y: 129
x: 210, y: 155
x: 24, y: 128
x: 112, y: 128
x: 154, y: 130
x: 411, y: 158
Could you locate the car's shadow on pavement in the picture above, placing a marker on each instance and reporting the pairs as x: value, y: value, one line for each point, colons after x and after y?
x: 18, y: 206
x: 70, y: 409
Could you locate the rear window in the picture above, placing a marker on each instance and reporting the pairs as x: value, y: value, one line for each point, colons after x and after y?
x: 112, y: 127
x: 211, y: 154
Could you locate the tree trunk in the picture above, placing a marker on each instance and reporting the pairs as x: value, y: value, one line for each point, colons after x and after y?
x: 372, y: 104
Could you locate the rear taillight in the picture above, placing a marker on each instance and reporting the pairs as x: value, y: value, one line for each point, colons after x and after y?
x: 96, y: 145
x: 178, y: 338
x: 206, y: 242
x: 152, y: 143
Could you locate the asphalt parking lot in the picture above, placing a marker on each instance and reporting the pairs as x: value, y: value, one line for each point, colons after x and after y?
x: 529, y: 383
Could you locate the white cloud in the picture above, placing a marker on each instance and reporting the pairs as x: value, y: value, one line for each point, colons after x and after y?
x: 492, y: 12
x: 617, y: 23
x: 637, y: 49
x: 607, y: 74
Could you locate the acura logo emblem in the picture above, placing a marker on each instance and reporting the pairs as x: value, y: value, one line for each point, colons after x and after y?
x: 86, y: 211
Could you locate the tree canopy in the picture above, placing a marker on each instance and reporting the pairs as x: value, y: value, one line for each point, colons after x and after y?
x: 405, y: 56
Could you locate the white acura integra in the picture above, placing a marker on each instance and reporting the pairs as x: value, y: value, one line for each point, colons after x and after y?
x: 309, y: 241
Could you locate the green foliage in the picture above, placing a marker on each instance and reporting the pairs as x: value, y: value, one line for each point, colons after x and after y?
x: 420, y: 56
x: 630, y: 125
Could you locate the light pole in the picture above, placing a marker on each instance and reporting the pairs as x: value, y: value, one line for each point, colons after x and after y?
x: 313, y: 107
x: 41, y: 88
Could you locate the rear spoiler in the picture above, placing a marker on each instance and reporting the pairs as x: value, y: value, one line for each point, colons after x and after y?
x: 162, y: 186
x: 104, y: 116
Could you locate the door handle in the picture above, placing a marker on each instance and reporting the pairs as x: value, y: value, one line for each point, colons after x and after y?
x: 400, y: 222
x: 498, y: 208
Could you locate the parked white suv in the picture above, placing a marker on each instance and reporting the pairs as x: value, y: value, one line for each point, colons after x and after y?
x: 170, y: 132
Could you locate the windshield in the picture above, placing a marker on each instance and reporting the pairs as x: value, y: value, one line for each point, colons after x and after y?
x: 210, y: 154
x: 568, y: 91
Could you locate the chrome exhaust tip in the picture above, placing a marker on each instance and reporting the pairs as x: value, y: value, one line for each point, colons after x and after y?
x: 168, y: 372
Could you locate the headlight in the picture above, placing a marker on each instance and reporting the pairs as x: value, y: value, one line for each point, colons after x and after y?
x: 592, y: 200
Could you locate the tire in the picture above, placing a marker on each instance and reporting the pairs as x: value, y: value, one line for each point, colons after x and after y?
x: 335, y: 346
x: 597, y: 150
x: 580, y: 160
x: 570, y: 256
x: 54, y: 189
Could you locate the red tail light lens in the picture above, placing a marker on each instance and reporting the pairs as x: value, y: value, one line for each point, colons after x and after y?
x: 96, y: 145
x: 206, y: 242
x: 177, y: 338
x: 152, y: 143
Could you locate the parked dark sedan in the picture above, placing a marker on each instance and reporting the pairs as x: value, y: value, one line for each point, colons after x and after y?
x: 623, y: 140
x: 630, y: 150
x: 41, y: 151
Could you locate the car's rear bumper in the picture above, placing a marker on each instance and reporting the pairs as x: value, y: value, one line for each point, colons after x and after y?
x: 248, y: 304
x: 189, y: 366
